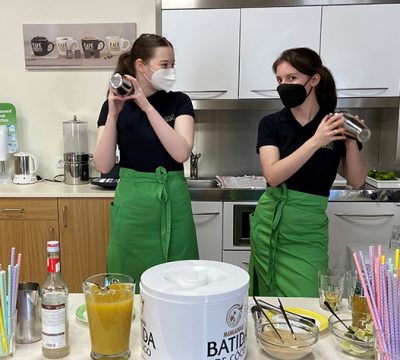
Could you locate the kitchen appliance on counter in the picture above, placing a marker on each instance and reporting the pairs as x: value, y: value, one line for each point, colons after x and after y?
x: 5, y: 178
x: 76, y: 154
x: 25, y: 166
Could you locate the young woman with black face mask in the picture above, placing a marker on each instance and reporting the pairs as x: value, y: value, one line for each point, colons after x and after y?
x: 301, y: 148
x: 151, y: 216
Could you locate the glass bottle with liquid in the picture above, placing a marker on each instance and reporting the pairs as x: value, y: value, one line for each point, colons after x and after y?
x: 359, y: 307
x: 54, y: 297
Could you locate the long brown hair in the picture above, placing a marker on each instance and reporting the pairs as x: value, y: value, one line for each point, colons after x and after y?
x: 143, y: 48
x: 308, y: 62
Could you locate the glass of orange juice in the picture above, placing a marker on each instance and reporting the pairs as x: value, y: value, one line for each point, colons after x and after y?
x: 109, y: 306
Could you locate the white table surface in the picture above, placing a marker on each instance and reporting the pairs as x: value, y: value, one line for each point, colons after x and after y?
x: 325, y: 349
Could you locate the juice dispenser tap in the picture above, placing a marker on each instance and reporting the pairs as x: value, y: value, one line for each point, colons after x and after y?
x: 76, y: 154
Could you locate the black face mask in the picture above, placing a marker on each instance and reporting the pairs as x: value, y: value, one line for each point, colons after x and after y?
x: 292, y: 95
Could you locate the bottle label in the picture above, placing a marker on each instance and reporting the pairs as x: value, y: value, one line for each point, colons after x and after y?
x: 53, y: 265
x: 53, y: 326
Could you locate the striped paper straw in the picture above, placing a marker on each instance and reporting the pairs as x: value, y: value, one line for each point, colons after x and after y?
x: 370, y: 301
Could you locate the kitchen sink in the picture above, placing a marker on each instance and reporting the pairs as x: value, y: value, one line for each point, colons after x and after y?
x: 203, y: 183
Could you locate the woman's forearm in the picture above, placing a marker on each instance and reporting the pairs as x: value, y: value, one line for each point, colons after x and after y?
x: 178, y: 141
x: 104, y: 153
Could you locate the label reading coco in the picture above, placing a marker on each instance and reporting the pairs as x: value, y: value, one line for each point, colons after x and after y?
x: 53, y: 326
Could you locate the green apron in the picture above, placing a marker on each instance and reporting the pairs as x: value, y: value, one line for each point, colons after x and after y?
x: 289, y: 243
x: 151, y: 222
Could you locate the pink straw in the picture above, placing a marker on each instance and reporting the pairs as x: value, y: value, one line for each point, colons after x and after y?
x: 372, y: 270
x: 371, y: 302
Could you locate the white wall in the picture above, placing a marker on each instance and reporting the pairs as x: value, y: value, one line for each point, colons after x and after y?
x: 45, y: 98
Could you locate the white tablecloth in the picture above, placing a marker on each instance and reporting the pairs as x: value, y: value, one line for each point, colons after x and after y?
x: 325, y: 349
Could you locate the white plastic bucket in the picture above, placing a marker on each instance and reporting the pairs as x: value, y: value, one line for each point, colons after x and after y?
x: 194, y: 310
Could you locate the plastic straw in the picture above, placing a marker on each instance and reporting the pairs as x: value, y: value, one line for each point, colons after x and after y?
x: 372, y: 269
x: 370, y: 301
x: 3, y: 297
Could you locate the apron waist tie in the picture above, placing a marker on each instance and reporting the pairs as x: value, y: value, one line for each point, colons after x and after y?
x: 271, y: 274
x: 162, y: 195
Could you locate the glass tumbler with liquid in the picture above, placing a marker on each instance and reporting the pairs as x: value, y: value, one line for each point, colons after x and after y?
x: 109, y: 304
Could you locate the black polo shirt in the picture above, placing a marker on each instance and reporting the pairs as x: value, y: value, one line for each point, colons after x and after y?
x: 317, y: 175
x: 140, y: 148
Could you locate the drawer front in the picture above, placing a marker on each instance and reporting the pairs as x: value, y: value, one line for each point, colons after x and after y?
x: 239, y: 258
x: 28, y: 209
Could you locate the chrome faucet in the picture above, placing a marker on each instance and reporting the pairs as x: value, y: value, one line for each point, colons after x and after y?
x: 194, y: 169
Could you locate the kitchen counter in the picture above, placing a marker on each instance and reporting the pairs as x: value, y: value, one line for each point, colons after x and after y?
x: 80, y: 339
x: 60, y: 190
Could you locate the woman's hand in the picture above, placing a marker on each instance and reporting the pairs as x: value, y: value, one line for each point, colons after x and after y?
x: 137, y: 94
x: 330, y: 129
x: 115, y: 102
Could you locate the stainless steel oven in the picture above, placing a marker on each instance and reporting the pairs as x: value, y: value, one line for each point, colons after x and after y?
x: 236, y: 225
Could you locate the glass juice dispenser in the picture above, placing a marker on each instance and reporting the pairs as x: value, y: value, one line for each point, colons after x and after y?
x: 76, y: 154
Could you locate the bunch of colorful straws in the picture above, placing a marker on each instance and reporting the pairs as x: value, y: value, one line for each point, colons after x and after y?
x: 8, y: 298
x: 380, y: 282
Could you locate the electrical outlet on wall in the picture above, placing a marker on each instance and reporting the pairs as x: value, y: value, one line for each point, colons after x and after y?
x: 59, y: 162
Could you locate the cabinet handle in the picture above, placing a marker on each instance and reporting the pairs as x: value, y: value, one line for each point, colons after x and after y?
x: 51, y: 233
x: 206, y: 214
x: 65, y: 212
x: 384, y: 88
x: 210, y: 94
x: 246, y: 262
x: 263, y: 90
x: 13, y: 210
x: 363, y: 215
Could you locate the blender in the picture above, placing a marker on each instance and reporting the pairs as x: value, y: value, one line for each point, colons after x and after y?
x: 5, y: 178
x: 76, y: 154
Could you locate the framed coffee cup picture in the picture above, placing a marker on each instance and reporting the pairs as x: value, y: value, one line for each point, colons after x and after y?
x: 76, y: 46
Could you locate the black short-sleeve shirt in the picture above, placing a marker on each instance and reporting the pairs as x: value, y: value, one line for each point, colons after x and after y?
x: 140, y: 148
x: 317, y: 175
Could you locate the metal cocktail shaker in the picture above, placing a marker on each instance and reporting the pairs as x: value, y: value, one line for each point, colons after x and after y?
x: 29, y: 324
x: 355, y: 128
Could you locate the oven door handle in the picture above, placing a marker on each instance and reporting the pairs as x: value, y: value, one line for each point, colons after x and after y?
x: 207, y: 214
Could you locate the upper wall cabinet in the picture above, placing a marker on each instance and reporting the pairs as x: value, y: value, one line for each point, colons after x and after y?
x: 206, y: 44
x: 360, y: 45
x: 265, y: 33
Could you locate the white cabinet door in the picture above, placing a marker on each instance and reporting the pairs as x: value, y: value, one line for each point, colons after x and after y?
x: 353, y: 226
x: 208, y: 220
x: 265, y: 33
x: 206, y: 44
x: 238, y: 258
x: 360, y: 45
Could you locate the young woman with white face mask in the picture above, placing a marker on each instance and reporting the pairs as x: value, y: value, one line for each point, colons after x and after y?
x: 301, y: 148
x: 151, y: 217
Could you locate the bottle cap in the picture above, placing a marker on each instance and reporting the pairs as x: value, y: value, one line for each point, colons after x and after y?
x: 53, y: 246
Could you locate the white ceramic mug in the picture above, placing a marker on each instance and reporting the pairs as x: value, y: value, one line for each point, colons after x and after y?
x: 65, y: 43
x: 117, y: 44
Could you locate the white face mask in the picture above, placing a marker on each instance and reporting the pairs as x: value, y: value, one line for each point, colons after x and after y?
x: 162, y: 79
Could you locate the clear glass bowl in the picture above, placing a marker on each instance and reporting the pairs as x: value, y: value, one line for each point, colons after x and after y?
x: 351, y: 344
x: 287, y: 349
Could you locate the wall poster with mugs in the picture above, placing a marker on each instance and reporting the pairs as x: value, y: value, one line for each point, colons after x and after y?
x: 76, y: 46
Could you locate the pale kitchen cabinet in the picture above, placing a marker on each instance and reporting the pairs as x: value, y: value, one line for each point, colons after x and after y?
x: 84, y: 231
x: 206, y: 44
x: 208, y: 220
x: 360, y: 45
x: 239, y: 258
x: 265, y: 33
x: 353, y: 226
x: 27, y: 224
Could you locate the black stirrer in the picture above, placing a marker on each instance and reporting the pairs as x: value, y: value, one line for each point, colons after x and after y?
x: 265, y: 315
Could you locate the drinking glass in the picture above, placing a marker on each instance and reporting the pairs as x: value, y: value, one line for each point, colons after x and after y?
x: 331, y: 286
x: 109, y: 305
x: 351, y: 279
